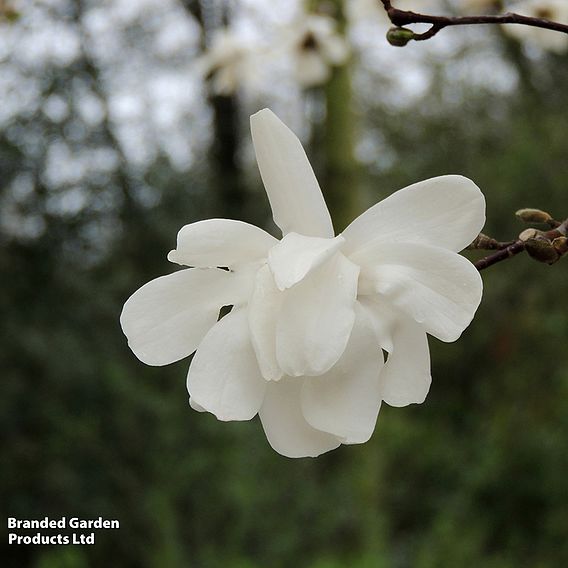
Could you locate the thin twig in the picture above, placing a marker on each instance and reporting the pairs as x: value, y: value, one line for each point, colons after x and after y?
x: 503, y: 254
x: 401, y: 18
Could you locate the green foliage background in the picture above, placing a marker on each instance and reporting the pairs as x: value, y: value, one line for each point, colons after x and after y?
x: 476, y: 476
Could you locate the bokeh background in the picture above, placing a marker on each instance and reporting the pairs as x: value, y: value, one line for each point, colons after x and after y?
x: 114, y: 134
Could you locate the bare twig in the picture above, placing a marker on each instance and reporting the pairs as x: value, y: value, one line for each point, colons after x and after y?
x: 401, y: 18
x: 503, y: 254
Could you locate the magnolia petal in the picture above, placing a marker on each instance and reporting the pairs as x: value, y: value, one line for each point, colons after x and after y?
x: 263, y: 310
x: 406, y: 375
x: 220, y: 242
x: 405, y: 378
x: 439, y: 289
x: 445, y: 211
x: 166, y: 319
x: 223, y: 377
x: 196, y: 406
x: 316, y: 319
x: 286, y: 428
x: 293, y: 190
x: 345, y: 401
x: 296, y: 255
x: 383, y: 318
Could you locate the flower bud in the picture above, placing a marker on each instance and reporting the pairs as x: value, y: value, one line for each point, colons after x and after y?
x: 482, y: 241
x: 542, y: 250
x: 399, y: 36
x: 528, y: 234
x: 533, y: 216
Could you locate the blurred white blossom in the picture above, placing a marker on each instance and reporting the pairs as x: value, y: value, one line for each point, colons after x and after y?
x: 312, y: 313
x: 231, y: 62
x: 310, y: 43
x: 316, y: 47
x: 548, y: 40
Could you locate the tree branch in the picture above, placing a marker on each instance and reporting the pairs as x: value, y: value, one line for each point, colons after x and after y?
x: 503, y: 254
x: 400, y: 18
x: 543, y: 246
x: 483, y: 242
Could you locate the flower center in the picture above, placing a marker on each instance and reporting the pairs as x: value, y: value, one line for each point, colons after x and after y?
x: 309, y: 42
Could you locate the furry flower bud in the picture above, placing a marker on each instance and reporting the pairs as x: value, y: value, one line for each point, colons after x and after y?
x: 542, y: 250
x: 529, y: 215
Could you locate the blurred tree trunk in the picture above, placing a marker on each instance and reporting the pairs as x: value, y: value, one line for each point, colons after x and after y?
x: 227, y: 175
x: 224, y: 156
x: 341, y: 184
x: 343, y: 192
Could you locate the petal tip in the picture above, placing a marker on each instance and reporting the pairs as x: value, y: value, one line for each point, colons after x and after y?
x: 263, y: 113
x: 401, y: 403
x: 173, y: 256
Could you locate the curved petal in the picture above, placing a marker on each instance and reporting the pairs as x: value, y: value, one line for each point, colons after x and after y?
x: 166, y: 319
x: 224, y: 377
x: 439, y: 289
x: 405, y: 378
x: 345, y: 401
x: 383, y: 318
x: 445, y: 211
x: 316, y: 319
x: 296, y: 255
x: 220, y: 242
x: 263, y: 310
x: 292, y: 188
x: 286, y: 428
x: 196, y: 406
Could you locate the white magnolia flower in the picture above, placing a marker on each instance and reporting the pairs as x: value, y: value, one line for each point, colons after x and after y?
x: 230, y: 62
x: 316, y: 48
x: 549, y: 40
x: 312, y: 312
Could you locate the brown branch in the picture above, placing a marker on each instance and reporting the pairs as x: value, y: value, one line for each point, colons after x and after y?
x: 400, y: 18
x: 503, y: 254
x: 483, y: 242
x: 543, y: 246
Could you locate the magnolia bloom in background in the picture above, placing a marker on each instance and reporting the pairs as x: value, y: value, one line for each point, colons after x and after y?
x: 549, y: 40
x: 312, y: 312
x: 316, y: 48
x: 311, y: 43
x: 229, y: 63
